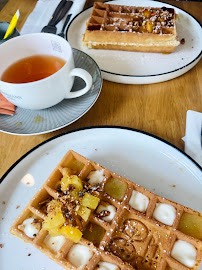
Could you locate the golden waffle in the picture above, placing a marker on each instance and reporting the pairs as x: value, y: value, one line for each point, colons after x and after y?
x: 129, y: 28
x: 133, y: 239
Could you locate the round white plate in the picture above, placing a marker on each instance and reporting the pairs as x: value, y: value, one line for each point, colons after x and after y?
x: 137, y: 67
x: 140, y: 157
x: 32, y: 122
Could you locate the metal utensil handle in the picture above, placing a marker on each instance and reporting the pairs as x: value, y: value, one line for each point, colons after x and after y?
x: 63, y: 12
x: 56, y: 12
x: 66, y: 22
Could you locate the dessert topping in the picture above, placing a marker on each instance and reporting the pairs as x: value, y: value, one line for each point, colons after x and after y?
x: 184, y: 252
x: 165, y: 213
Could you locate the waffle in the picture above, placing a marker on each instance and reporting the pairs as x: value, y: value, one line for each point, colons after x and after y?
x: 129, y: 28
x: 124, y: 231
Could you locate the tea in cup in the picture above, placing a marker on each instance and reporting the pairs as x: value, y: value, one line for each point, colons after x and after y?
x: 37, y: 71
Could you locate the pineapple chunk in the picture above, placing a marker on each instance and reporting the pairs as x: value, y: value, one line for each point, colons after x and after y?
x: 73, y: 180
x: 54, y: 232
x: 149, y: 26
x: 90, y: 201
x: 71, y: 233
x: 53, y: 220
x: 84, y: 212
x: 54, y: 206
x: 74, y: 194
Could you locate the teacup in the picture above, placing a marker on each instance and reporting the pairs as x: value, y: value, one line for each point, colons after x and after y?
x: 51, y: 90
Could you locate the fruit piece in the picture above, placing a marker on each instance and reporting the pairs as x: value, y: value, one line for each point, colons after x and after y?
x: 147, y: 13
x: 149, y: 26
x: 73, y: 180
x: 71, y: 233
x: 54, y: 232
x: 191, y: 225
x: 115, y: 188
x: 53, y: 220
x: 94, y: 233
x: 84, y: 212
x: 74, y: 194
x: 75, y: 165
x: 90, y: 201
x: 54, y: 206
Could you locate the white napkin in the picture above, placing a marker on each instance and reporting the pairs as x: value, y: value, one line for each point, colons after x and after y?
x: 42, y: 13
x: 192, y: 137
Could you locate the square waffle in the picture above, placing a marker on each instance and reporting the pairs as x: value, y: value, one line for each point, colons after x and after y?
x: 121, y: 226
x: 129, y: 28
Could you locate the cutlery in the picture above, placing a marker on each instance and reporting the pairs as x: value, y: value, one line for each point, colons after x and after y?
x: 61, y: 34
x: 57, y: 16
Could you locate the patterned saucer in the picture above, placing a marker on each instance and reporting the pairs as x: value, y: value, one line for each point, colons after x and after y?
x: 29, y: 122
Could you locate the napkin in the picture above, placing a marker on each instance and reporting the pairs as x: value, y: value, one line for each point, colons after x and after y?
x: 42, y: 13
x: 6, y: 107
x: 193, y: 136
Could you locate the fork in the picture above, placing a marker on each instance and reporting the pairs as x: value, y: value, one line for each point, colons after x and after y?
x: 57, y: 16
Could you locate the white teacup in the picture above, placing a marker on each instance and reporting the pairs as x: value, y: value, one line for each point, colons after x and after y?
x: 47, y: 92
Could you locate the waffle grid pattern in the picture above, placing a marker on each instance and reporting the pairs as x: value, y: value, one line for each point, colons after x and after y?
x: 131, y: 28
x: 152, y: 241
x: 131, y: 19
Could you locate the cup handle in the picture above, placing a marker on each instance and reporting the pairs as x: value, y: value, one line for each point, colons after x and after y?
x: 83, y: 74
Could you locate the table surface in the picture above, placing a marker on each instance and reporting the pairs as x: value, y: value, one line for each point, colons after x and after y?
x: 159, y: 108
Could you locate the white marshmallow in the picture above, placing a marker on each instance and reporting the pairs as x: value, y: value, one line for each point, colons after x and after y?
x: 109, y: 208
x: 165, y: 213
x: 139, y: 201
x: 96, y: 177
x: 79, y: 255
x: 184, y: 252
x: 107, y: 266
x: 30, y: 228
x: 55, y: 243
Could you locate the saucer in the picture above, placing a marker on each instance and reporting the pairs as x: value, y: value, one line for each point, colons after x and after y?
x: 29, y: 122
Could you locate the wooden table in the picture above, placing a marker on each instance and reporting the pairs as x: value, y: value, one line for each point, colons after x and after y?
x: 157, y: 108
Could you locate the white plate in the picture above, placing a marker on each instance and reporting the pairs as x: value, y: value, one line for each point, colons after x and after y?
x: 143, y: 68
x: 140, y: 157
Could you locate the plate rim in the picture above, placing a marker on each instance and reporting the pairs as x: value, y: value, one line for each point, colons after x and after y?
x: 74, y: 120
x: 96, y: 127
x: 142, y: 76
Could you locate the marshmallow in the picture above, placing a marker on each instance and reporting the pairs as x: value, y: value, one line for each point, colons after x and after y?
x: 30, y: 228
x: 139, y: 201
x: 55, y: 243
x: 107, y: 266
x: 79, y: 255
x: 165, y: 213
x: 184, y: 252
x: 107, y: 207
x: 96, y: 177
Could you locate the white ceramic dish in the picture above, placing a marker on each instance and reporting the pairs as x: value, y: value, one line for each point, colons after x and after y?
x: 143, y: 68
x: 140, y: 157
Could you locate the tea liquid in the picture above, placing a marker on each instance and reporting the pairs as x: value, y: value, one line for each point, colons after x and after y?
x: 33, y: 68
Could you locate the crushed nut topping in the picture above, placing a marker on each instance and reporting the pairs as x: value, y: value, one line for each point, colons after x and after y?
x: 104, y: 213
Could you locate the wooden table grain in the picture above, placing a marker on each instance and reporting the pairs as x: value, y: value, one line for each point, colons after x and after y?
x: 159, y: 108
